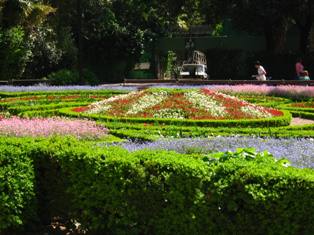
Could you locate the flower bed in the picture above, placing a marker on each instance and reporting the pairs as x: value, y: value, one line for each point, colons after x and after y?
x: 289, y: 91
x: 61, y: 88
x: 41, y: 127
x: 50, y: 98
x: 299, y: 151
x: 303, y: 105
x: 201, y: 104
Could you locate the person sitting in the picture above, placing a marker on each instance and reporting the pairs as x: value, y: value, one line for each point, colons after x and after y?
x: 304, y: 76
x: 299, y: 68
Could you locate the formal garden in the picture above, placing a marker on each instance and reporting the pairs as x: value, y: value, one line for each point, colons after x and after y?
x: 161, y: 160
x: 85, y: 151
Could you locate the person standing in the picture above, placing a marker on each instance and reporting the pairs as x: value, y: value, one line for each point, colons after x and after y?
x: 299, y: 68
x: 261, y: 72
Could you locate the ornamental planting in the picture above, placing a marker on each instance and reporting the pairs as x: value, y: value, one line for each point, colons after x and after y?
x: 44, y: 127
x: 196, y: 104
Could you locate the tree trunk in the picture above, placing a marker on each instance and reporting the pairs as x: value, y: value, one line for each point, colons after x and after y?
x: 275, y: 35
x: 80, y: 41
x: 305, y: 32
x: 305, y: 40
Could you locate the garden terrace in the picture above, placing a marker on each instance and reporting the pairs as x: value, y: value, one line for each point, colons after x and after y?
x: 155, y: 175
x: 150, y: 191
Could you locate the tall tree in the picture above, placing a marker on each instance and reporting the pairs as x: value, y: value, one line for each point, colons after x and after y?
x: 116, y: 31
x: 25, y: 13
x: 270, y: 17
x: 302, y: 13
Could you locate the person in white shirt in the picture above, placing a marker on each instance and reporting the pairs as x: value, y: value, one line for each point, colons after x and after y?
x: 261, y: 72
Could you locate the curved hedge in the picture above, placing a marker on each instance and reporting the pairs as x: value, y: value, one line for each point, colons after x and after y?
x: 113, y: 191
x: 265, y: 122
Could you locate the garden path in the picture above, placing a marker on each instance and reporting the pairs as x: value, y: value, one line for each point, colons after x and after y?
x: 300, y: 122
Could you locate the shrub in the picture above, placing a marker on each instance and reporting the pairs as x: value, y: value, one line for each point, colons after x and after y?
x: 16, y: 185
x: 14, y: 53
x: 113, y: 191
x: 70, y: 77
x: 63, y: 77
x: 259, y: 196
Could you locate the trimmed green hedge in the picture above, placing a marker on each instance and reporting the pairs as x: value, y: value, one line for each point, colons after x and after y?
x: 15, y: 110
x: 307, y: 115
x: 16, y: 185
x: 265, y: 122
x: 308, y: 110
x: 74, y: 92
x: 112, y: 191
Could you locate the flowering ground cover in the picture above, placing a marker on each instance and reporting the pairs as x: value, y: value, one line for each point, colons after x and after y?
x: 299, y: 151
x: 289, y: 91
x: 44, y: 127
x: 296, y: 92
x: 47, y: 98
x: 62, y: 88
x: 197, y: 104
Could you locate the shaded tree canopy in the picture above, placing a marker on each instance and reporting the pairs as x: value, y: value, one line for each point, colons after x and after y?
x: 108, y: 36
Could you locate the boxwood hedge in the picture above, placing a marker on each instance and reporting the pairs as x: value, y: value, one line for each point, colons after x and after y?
x: 263, y: 122
x: 16, y: 185
x: 113, y: 191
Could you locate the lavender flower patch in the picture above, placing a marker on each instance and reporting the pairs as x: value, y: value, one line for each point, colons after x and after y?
x: 300, y: 152
x: 64, y: 88
x: 290, y: 91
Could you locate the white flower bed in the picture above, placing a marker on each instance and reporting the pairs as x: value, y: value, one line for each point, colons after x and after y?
x: 105, y: 105
x: 147, y: 101
x: 206, y: 102
x: 170, y: 114
x: 255, y: 112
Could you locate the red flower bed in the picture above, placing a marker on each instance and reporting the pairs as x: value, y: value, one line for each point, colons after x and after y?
x: 303, y: 105
x: 201, y: 104
x: 81, y: 109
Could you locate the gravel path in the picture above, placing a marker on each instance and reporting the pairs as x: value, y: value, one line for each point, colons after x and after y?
x: 300, y: 122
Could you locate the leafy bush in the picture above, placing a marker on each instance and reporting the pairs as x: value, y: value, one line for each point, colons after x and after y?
x: 113, y: 191
x: 263, y: 122
x: 14, y: 53
x: 69, y: 77
x: 16, y: 185
x: 46, y: 53
x: 256, y: 195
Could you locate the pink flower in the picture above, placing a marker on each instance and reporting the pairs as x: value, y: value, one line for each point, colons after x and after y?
x: 43, y: 127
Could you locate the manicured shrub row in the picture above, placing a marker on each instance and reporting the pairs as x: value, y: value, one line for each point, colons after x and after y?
x: 153, y: 132
x: 307, y: 115
x: 16, y: 185
x: 267, y: 101
x: 41, y: 113
x: 308, y: 110
x: 112, y: 191
x: 266, y: 122
x: 61, y: 93
x: 15, y: 110
x: 151, y: 135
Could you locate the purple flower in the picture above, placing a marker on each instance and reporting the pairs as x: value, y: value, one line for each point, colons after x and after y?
x: 299, y: 151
